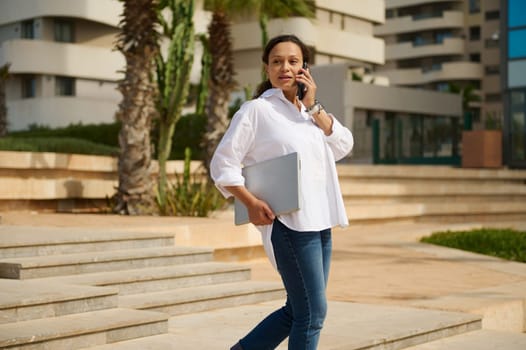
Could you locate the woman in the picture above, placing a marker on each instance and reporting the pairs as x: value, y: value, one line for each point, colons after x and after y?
x: 298, y: 244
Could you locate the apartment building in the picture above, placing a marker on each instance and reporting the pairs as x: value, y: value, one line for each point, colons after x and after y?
x: 431, y: 44
x: 62, y: 64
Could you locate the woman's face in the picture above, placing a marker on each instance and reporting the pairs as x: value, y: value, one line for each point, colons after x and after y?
x: 284, y: 63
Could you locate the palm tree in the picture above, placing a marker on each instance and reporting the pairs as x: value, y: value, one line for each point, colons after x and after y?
x: 4, y: 74
x: 221, y: 79
x: 138, y: 42
x: 221, y: 82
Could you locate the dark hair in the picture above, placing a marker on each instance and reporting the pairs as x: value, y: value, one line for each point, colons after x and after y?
x: 266, y: 52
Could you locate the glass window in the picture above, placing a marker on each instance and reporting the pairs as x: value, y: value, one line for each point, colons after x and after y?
x: 516, y: 13
x: 491, y: 15
x: 492, y: 98
x: 517, y: 135
x: 474, y: 6
x: 29, y: 87
x: 64, y: 31
x: 474, y: 33
x: 28, y: 31
x: 516, y: 40
x: 517, y: 98
x: 474, y: 57
x: 492, y: 69
x: 64, y: 86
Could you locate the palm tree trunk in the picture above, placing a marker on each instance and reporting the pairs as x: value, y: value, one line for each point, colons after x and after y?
x: 221, y: 83
x: 138, y: 42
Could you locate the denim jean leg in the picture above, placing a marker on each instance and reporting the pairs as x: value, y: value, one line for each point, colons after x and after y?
x: 303, y: 260
x: 277, y: 326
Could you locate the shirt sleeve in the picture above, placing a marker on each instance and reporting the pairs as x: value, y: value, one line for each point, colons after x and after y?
x: 340, y: 140
x: 226, y: 163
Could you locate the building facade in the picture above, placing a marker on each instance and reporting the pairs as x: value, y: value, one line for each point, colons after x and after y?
x: 513, y: 67
x: 445, y: 45
x: 62, y: 64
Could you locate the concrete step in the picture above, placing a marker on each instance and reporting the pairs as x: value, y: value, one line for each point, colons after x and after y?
x: 434, y: 210
x: 154, y: 279
x: 27, y: 300
x: 480, y: 340
x: 154, y: 342
x: 349, y: 326
x: 411, y: 172
x: 82, y: 330
x: 23, y: 241
x: 200, y: 298
x: 415, y: 188
x: 69, y: 264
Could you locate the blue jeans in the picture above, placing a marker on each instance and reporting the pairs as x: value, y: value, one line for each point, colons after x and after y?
x: 303, y: 260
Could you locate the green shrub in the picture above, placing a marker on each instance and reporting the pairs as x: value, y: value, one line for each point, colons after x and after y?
x: 503, y: 243
x: 105, y: 134
x: 188, y: 133
x: 191, y: 194
x: 56, y: 144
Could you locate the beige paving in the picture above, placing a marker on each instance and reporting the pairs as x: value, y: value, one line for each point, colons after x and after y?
x: 380, y: 264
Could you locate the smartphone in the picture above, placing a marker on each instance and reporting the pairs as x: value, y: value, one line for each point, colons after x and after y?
x: 301, y: 87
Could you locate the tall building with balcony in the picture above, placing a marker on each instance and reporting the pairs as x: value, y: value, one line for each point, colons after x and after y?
x: 62, y: 64
x: 342, y: 31
x: 432, y: 44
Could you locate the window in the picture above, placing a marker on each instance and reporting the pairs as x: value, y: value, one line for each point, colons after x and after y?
x: 516, y: 40
x: 516, y: 11
x: 28, y: 31
x: 29, y: 86
x: 64, y: 31
x: 491, y: 15
x: 474, y: 57
x: 474, y: 6
x: 64, y: 86
x: 492, y: 70
x: 492, y: 98
x: 491, y: 43
x: 474, y: 33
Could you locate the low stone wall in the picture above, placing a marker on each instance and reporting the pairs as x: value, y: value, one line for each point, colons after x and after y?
x: 63, y: 182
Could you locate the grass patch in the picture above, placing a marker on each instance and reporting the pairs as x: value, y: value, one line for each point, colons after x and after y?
x: 502, y: 243
x: 57, y: 145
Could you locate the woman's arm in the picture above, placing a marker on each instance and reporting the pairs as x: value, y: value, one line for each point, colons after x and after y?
x: 259, y: 212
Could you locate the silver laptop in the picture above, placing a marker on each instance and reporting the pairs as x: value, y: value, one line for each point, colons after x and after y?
x: 276, y: 181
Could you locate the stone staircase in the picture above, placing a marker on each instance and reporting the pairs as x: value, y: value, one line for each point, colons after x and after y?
x: 72, y: 289
x: 432, y: 193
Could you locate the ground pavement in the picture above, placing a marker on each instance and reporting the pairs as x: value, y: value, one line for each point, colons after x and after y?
x: 381, y: 265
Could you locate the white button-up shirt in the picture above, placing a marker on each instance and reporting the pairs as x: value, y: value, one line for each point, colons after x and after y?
x: 271, y: 126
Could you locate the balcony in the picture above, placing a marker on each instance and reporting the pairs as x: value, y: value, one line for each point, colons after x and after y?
x: 409, y: 24
x: 390, y: 4
x: 59, y: 111
x: 328, y: 41
x: 64, y: 59
x: 438, y: 72
x: 102, y: 11
x: 371, y: 10
x: 408, y: 50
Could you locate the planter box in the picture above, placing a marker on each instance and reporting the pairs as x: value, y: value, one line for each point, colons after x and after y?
x: 482, y: 149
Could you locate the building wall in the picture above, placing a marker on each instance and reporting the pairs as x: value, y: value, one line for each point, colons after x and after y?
x: 467, y: 56
x: 340, y: 32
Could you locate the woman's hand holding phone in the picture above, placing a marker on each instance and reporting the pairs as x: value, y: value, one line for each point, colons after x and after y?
x: 306, y: 86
